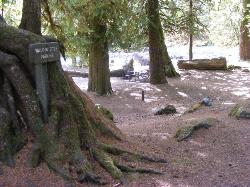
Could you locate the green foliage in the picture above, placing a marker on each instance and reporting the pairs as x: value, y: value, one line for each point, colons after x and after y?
x: 11, y: 10
x: 224, y: 22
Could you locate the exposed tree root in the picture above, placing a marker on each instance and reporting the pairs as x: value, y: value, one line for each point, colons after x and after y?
x: 128, y: 169
x: 70, y: 136
x: 117, y: 151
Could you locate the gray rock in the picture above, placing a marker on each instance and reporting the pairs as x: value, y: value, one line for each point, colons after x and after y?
x: 169, y: 109
x: 245, y: 70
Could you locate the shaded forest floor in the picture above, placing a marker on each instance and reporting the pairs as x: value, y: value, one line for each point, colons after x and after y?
x: 218, y: 156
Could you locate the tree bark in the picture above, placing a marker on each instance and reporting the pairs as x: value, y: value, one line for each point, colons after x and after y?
x: 191, y: 25
x: 160, y: 62
x: 157, y: 65
x: 99, y: 74
x: 70, y: 136
x: 31, y: 16
x: 204, y: 64
x: 244, y: 33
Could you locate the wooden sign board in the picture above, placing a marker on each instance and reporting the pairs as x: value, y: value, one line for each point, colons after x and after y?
x: 40, y: 54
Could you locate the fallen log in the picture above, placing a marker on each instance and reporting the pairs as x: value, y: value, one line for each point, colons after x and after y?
x: 114, y: 73
x: 77, y: 74
x: 117, y: 73
x: 204, y: 64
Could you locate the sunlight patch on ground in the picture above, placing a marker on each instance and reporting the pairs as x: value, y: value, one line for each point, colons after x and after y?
x: 161, y: 183
x: 151, y: 99
x: 204, y: 88
x: 182, y: 94
x: 137, y: 96
x: 82, y: 83
x: 200, y: 154
x: 129, y: 106
x: 244, y: 93
x: 229, y: 103
x: 196, y: 143
x: 181, y: 110
x: 163, y: 136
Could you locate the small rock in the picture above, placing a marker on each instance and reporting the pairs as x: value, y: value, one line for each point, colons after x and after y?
x: 105, y: 112
x: 245, y: 70
x: 169, y: 109
x: 239, y: 112
x: 233, y: 67
x: 207, y: 101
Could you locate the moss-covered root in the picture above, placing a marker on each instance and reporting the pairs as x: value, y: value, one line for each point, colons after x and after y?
x: 194, y: 107
x: 128, y: 169
x: 105, y: 112
x: 186, y: 132
x: 107, y: 163
x: 117, y: 151
x: 84, y: 170
x: 236, y: 111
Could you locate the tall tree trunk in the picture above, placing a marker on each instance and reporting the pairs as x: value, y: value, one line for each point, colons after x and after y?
x: 31, y: 16
x: 244, y: 33
x: 191, y: 25
x: 69, y: 138
x: 74, y: 63
x: 2, y: 10
x: 99, y: 74
x: 160, y: 62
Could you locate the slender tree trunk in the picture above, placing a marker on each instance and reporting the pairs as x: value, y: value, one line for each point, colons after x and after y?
x: 2, y: 8
x: 160, y: 62
x: 99, y: 74
x: 191, y: 25
x: 74, y: 63
x: 31, y: 16
x: 190, y: 47
x: 244, y: 33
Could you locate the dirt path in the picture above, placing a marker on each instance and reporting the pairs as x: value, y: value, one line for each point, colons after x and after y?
x: 219, y: 156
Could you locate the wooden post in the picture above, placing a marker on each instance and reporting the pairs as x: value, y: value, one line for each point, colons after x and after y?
x: 142, y: 95
x: 40, y: 54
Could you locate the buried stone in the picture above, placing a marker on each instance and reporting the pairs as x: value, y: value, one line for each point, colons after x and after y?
x: 169, y: 109
x: 239, y: 112
x: 185, y: 132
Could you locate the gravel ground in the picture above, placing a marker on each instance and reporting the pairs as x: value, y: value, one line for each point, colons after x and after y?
x: 218, y: 156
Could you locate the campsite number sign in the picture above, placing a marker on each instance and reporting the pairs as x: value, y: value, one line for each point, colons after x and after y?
x: 40, y: 54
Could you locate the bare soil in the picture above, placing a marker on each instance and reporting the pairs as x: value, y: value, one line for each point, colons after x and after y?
x: 218, y: 156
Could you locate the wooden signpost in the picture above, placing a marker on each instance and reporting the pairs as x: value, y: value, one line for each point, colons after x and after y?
x: 40, y: 54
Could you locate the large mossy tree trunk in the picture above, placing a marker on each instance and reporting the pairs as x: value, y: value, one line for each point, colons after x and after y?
x: 160, y: 62
x: 99, y: 74
x: 75, y: 127
x: 31, y: 16
x: 244, y: 32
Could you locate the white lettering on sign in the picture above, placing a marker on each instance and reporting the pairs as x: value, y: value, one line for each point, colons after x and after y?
x: 44, y: 52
